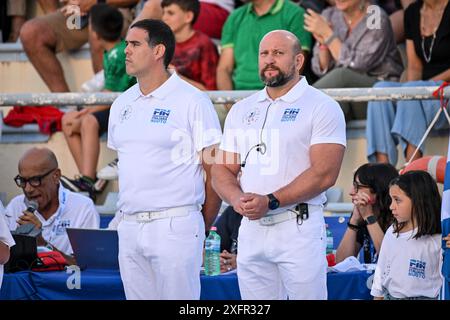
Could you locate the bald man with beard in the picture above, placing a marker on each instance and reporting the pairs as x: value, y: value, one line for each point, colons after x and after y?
x: 57, y: 207
x: 286, y: 144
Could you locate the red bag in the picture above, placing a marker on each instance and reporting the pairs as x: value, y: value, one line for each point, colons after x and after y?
x: 48, y: 118
x: 50, y: 261
x: 331, y: 258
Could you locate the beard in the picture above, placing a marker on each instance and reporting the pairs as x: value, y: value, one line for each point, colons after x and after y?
x: 276, y: 81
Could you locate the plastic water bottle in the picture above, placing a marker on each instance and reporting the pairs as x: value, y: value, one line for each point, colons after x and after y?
x: 330, y: 240
x: 212, y: 253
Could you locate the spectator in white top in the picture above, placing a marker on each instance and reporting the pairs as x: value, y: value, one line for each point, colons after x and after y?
x: 410, y: 261
x: 57, y: 209
x: 6, y: 241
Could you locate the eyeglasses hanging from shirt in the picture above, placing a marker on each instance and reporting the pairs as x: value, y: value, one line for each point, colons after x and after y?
x: 261, y: 146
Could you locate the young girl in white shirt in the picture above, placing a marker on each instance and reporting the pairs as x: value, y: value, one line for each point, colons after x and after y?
x: 410, y: 260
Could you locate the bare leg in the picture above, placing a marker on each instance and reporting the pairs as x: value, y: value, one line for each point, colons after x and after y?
x: 39, y: 42
x: 151, y: 10
x: 90, y: 145
x: 409, y: 152
x: 381, y: 157
x: 16, y: 24
x: 73, y: 139
x: 48, y: 5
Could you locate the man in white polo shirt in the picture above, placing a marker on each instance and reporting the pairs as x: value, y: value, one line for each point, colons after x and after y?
x: 57, y: 207
x: 286, y: 144
x: 6, y: 241
x: 162, y: 128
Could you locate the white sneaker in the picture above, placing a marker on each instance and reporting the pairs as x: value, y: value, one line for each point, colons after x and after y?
x: 109, y: 172
x: 95, y: 84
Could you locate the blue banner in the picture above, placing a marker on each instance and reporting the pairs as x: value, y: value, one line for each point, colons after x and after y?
x: 445, y: 218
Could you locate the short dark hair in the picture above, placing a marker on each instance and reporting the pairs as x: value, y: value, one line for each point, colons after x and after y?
x: 158, y: 33
x: 106, y: 21
x: 421, y: 188
x: 377, y: 176
x: 185, y: 5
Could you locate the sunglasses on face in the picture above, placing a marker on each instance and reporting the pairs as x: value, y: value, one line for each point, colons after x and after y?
x: 35, y: 181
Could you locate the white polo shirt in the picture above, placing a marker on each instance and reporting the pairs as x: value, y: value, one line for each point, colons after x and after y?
x: 288, y: 126
x: 5, y: 236
x: 74, y: 211
x: 158, y: 138
x: 408, y: 267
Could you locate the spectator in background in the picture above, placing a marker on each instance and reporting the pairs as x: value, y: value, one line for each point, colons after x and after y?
x: 371, y: 215
x: 17, y: 10
x: 396, y: 10
x: 228, y: 229
x: 195, y: 58
x: 210, y: 20
x: 212, y: 17
x: 349, y: 52
x: 242, y: 33
x: 43, y: 37
x: 58, y: 208
x: 317, y: 6
x: 82, y: 129
x: 427, y: 25
x: 6, y: 241
x: 410, y: 260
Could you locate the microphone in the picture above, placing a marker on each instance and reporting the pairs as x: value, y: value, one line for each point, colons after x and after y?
x: 29, y: 229
x: 32, y: 205
x: 259, y: 148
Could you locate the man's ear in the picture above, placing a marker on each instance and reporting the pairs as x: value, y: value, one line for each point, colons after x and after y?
x: 300, y: 62
x: 57, y: 175
x: 159, y: 51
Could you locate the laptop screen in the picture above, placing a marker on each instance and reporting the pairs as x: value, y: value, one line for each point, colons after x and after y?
x: 95, y: 248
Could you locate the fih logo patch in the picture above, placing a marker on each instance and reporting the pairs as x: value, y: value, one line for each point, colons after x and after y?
x: 290, y: 114
x: 60, y: 229
x: 160, y: 115
x: 417, y: 268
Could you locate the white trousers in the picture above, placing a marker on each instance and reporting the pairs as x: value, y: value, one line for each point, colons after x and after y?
x: 161, y: 259
x: 285, y: 260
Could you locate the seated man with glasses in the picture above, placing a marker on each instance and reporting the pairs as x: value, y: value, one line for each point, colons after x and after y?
x: 56, y: 207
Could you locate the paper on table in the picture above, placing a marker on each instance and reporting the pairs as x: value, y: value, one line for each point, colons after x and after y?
x: 347, y: 265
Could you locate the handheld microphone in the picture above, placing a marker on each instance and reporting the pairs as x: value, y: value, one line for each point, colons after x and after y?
x: 29, y: 229
x: 32, y: 205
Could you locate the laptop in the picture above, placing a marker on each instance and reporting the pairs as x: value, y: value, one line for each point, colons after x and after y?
x: 95, y: 248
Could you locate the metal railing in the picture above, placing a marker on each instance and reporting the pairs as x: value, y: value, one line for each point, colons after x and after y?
x: 219, y: 97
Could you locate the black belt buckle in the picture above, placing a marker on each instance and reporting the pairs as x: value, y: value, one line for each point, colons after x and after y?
x: 302, y: 209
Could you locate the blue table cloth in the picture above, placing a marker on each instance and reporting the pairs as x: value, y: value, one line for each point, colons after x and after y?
x: 106, y: 284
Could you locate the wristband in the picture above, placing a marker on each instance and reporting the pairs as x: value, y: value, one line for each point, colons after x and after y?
x: 354, y: 227
x: 330, y: 39
x: 49, y: 246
